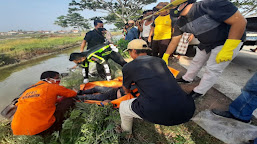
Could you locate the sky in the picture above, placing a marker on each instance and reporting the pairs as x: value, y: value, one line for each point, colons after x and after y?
x: 35, y: 15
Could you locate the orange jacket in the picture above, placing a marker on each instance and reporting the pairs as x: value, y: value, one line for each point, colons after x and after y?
x: 36, y: 107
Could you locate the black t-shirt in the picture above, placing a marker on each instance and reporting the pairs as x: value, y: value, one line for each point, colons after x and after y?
x: 161, y: 99
x: 206, y: 21
x: 93, y: 38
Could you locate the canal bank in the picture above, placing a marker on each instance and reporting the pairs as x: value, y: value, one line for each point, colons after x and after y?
x: 16, y: 78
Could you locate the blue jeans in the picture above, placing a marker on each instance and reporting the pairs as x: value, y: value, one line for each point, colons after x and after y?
x: 244, y: 105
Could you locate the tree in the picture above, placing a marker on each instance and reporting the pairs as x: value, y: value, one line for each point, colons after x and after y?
x: 246, y: 6
x: 73, y: 20
x: 118, y: 11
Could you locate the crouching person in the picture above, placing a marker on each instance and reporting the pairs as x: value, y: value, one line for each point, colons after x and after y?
x: 161, y: 100
x: 37, y: 112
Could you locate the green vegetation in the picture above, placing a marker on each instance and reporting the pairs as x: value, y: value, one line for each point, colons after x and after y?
x: 14, y: 50
x: 90, y: 123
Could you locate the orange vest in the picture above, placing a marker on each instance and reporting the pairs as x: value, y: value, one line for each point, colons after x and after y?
x: 36, y: 107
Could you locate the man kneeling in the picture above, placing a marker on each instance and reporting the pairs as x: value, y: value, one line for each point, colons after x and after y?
x: 36, y: 110
x: 161, y: 100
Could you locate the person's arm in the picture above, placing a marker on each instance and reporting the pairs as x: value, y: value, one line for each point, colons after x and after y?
x: 238, y: 25
x: 83, y: 44
x: 63, y: 91
x: 171, y: 48
x: 150, y: 35
x: 139, y: 26
x: 126, y: 90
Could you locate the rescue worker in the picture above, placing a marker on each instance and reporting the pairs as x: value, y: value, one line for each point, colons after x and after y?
x: 37, y: 112
x: 99, y: 54
x: 219, y: 27
x: 161, y: 100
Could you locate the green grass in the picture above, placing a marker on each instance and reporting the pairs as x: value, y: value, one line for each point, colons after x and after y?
x: 89, y: 123
x: 14, y: 50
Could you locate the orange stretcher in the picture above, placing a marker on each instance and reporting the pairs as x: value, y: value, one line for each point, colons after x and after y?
x: 115, y: 83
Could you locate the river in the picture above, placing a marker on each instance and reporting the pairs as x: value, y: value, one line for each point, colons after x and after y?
x: 15, y: 79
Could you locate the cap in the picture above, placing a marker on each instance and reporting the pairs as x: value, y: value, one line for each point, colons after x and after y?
x: 137, y: 44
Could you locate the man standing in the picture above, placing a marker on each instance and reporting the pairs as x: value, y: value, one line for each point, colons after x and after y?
x: 94, y: 37
x: 162, y: 30
x: 161, y: 100
x: 219, y: 27
x: 132, y: 32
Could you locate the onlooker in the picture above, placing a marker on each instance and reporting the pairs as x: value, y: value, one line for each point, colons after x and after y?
x: 124, y: 30
x: 162, y: 30
x: 37, y: 112
x: 219, y: 27
x: 145, y: 28
x: 132, y: 32
x: 93, y: 37
x: 161, y: 100
x: 243, y: 106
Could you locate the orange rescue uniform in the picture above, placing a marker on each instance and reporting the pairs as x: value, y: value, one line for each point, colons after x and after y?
x: 36, y: 107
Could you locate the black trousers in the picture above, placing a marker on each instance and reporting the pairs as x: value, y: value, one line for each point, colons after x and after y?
x: 61, y: 108
x: 116, y: 57
x: 159, y: 47
x: 98, y: 93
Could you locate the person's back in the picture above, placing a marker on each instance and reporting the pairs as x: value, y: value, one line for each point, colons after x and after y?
x: 36, y: 108
x: 161, y: 99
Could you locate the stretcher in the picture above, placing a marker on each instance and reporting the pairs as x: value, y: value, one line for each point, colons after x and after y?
x: 115, y: 83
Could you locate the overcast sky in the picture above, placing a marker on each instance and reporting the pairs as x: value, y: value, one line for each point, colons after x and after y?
x: 38, y: 14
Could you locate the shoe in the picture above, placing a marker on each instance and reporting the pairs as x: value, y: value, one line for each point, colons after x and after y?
x: 194, y: 95
x: 253, y: 50
x: 181, y: 80
x: 227, y: 114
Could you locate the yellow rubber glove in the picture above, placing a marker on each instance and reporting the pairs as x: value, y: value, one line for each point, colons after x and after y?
x: 226, y: 53
x: 165, y: 57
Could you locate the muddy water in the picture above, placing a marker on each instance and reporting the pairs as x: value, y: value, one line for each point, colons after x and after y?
x: 15, y: 79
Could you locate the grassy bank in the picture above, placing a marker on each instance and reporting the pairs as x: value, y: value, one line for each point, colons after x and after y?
x: 14, y: 50
x: 89, y: 123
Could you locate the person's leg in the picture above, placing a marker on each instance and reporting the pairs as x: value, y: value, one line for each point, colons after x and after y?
x: 127, y: 115
x: 163, y: 47
x: 213, y: 70
x: 96, y: 89
x: 116, y: 57
x: 244, y: 105
x: 196, y: 64
x: 61, y: 108
x: 155, y: 48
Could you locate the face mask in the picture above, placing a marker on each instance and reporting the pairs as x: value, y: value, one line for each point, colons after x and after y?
x: 101, y: 30
x: 56, y: 81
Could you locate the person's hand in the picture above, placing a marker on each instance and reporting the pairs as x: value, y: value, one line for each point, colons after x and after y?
x: 190, y: 38
x: 226, y: 53
x: 149, y: 39
x: 165, y: 57
x: 85, y: 81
